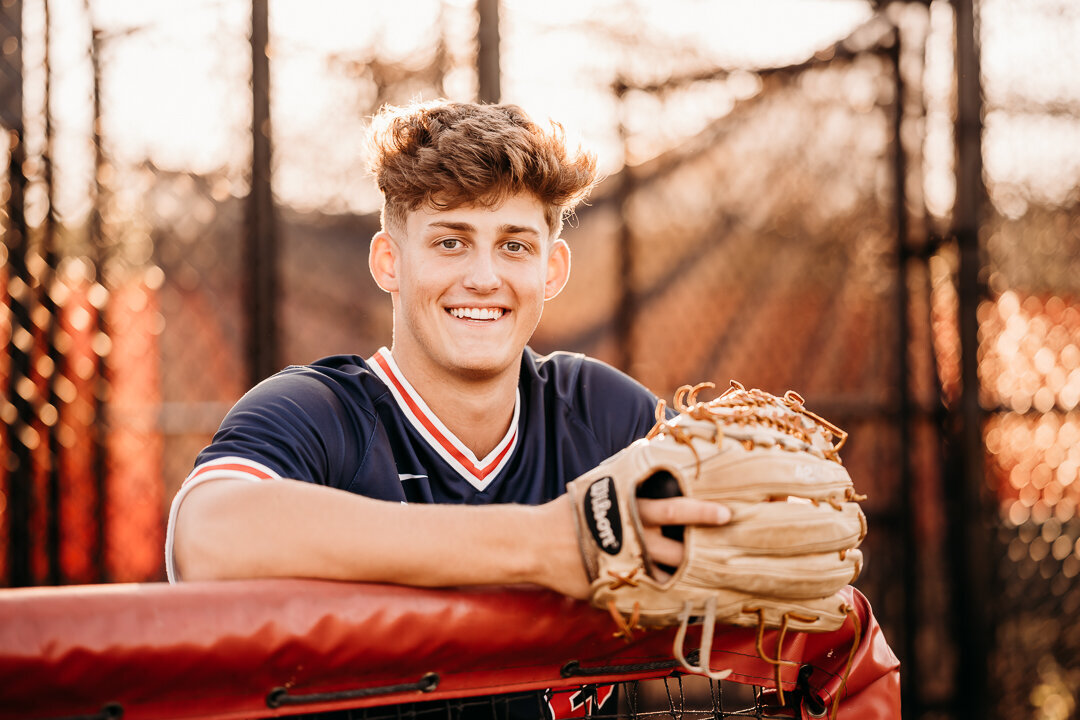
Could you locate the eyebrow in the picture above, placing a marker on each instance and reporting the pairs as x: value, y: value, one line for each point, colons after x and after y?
x: 503, y: 229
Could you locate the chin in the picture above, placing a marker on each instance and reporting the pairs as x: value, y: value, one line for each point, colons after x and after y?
x: 481, y: 368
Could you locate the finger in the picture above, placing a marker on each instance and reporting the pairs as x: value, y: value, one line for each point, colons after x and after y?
x: 682, y: 511
x: 662, y: 550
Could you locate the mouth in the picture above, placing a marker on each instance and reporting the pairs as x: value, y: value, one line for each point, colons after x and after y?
x: 482, y: 314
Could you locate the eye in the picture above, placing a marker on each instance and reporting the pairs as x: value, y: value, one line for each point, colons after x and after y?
x: 515, y: 247
x: 450, y: 243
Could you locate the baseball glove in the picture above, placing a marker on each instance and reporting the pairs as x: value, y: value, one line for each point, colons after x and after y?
x: 781, y: 560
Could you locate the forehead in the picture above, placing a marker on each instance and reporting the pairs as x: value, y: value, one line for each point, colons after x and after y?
x: 523, y: 213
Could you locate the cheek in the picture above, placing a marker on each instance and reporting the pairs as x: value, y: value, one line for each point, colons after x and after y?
x: 417, y: 279
x: 529, y: 279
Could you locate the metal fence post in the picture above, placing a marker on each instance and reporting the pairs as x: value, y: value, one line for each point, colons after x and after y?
x: 487, y: 52
x: 17, y: 410
x: 966, y: 488
x: 261, y: 249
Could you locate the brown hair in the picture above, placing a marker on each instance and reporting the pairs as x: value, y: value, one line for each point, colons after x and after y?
x: 445, y: 155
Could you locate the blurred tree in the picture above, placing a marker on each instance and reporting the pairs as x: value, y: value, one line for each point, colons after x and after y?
x: 382, y: 80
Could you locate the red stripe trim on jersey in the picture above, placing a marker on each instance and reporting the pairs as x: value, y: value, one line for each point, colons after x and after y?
x: 436, y: 433
x: 238, y: 467
x: 498, y: 458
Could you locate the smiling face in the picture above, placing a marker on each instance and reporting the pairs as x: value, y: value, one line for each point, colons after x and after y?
x: 468, y: 285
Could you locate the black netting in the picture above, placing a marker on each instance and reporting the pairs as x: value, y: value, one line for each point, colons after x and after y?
x: 690, y: 697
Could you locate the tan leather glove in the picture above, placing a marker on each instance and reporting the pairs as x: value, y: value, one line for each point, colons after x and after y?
x: 782, y: 559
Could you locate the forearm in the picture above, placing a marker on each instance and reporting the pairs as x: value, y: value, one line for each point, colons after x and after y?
x: 238, y: 529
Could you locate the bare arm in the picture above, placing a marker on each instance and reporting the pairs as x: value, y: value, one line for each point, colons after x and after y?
x: 285, y: 528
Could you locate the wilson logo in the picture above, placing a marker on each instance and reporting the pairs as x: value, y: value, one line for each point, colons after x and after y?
x: 602, y: 516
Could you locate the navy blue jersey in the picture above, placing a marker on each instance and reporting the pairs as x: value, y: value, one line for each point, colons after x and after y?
x: 358, y: 425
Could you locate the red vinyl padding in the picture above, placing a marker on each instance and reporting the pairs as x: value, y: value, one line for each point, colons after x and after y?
x: 218, y: 649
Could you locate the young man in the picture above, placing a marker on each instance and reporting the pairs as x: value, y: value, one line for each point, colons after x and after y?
x: 441, y: 461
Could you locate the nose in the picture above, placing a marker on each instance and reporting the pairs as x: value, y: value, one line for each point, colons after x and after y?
x: 482, y: 275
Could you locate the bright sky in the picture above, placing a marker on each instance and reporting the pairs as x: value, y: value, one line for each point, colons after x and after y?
x: 175, y: 87
x: 175, y: 73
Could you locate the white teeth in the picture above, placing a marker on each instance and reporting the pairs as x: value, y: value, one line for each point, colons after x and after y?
x: 477, y: 313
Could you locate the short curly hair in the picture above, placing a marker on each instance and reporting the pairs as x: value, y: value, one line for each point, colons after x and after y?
x: 447, y: 154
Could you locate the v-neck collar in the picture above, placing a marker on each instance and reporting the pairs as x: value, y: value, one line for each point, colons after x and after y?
x: 478, y: 472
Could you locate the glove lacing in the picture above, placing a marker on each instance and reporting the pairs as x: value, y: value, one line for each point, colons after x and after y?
x: 849, y: 611
x: 747, y: 407
x: 778, y: 662
x: 707, y: 628
x: 626, y: 626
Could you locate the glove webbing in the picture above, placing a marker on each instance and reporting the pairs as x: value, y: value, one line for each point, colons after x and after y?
x: 737, y: 396
x: 746, y: 406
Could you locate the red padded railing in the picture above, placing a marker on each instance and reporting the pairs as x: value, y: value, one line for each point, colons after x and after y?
x: 242, y: 649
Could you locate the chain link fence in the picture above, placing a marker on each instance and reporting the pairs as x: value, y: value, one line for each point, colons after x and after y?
x: 1028, y: 355
x: 784, y: 246
x: 105, y: 250
x: 783, y: 226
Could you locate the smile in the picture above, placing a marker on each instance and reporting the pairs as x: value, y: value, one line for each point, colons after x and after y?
x: 476, y: 313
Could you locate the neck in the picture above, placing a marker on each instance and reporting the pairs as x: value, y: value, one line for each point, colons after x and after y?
x: 478, y: 410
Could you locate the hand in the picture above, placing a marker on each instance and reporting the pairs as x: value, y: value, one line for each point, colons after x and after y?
x: 675, y: 511
x: 561, y: 565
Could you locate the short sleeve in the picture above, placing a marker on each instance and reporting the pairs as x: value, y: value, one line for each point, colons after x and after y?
x: 298, y: 425
x: 293, y: 425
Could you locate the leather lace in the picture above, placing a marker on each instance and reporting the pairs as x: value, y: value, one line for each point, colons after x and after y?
x: 626, y: 626
x: 743, y: 407
x: 705, y: 654
x: 708, y: 627
x: 776, y: 662
x: 850, y: 612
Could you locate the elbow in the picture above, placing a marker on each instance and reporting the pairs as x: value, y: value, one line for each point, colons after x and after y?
x: 193, y: 562
x: 200, y: 536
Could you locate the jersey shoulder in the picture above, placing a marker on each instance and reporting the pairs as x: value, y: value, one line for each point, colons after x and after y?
x: 614, y: 407
x: 306, y: 422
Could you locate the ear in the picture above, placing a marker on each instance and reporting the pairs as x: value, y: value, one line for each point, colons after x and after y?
x: 558, y: 268
x: 382, y: 261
